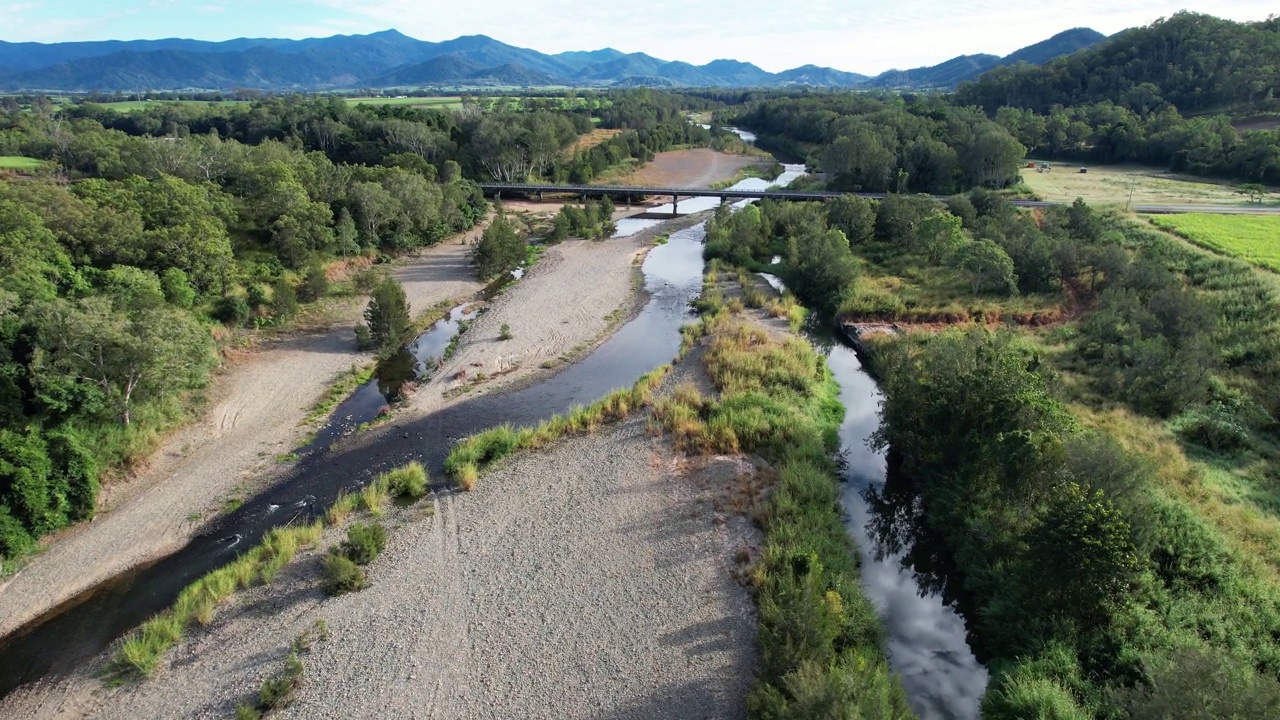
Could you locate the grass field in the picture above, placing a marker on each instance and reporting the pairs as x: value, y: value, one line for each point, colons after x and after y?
x: 438, y: 103
x: 1249, y: 237
x: 131, y: 105
x: 1109, y: 185
x: 16, y: 162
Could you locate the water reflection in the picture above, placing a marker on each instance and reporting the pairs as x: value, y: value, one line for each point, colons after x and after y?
x: 927, y: 641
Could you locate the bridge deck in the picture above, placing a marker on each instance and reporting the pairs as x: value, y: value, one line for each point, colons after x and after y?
x: 725, y: 193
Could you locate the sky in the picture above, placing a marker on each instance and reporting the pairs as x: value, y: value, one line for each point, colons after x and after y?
x: 866, y: 36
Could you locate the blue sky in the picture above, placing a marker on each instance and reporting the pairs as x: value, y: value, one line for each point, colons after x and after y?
x: 857, y: 35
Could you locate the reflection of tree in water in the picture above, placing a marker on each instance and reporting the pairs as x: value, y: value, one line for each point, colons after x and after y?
x: 394, y: 372
x: 898, y: 527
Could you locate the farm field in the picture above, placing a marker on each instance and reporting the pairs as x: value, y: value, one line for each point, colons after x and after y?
x: 131, y: 105
x: 440, y: 103
x: 1109, y: 185
x: 1252, y: 238
x: 17, y: 162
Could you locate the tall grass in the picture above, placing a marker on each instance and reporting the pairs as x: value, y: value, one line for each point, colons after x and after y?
x: 472, y: 455
x: 140, y: 654
x: 820, y: 639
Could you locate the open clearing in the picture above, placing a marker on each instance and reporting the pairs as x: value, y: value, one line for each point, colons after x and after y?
x: 17, y: 162
x: 452, y: 102
x: 1255, y: 238
x: 1109, y: 185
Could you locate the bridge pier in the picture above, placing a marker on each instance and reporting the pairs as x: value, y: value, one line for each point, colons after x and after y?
x: 539, y: 196
x: 675, y: 205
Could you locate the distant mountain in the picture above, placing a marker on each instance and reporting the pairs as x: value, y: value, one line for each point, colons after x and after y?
x: 1064, y: 43
x: 391, y: 59
x: 819, y: 77
x: 439, y: 70
x: 942, y: 75
x: 951, y: 73
x: 579, y: 59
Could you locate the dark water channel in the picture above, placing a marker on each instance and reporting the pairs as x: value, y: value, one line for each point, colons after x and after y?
x: 416, y: 361
x: 85, y: 626
x: 927, y: 642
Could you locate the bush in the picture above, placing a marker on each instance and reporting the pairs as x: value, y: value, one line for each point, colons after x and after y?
x: 364, y: 542
x: 314, y: 284
x: 177, y: 288
x: 505, y: 332
x: 256, y: 296
x: 247, y: 712
x: 279, y: 691
x: 1020, y: 696
x: 409, y: 481
x: 364, y: 338
x: 284, y: 300
x: 231, y: 310
x: 341, y: 575
x: 366, y: 279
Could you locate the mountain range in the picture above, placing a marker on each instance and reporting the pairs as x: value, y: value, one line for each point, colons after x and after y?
x: 390, y: 59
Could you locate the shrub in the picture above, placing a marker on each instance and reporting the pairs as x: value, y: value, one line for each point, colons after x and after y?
x: 255, y: 295
x: 364, y: 338
x: 1020, y: 695
x: 505, y: 332
x: 366, y: 279
x: 177, y: 288
x: 284, y: 300
x: 364, y: 542
x: 231, y: 310
x: 277, y: 692
x: 247, y: 712
x: 314, y: 284
x: 341, y: 575
x: 409, y: 481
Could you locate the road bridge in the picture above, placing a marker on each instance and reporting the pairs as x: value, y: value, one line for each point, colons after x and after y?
x: 725, y: 194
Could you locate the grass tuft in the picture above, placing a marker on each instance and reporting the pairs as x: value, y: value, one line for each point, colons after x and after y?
x: 472, y: 455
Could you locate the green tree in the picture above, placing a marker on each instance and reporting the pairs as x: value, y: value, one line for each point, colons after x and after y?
x: 128, y: 354
x: 500, y: 250
x: 854, y: 216
x: 284, y: 300
x: 387, y: 316
x: 939, y: 235
x: 1081, y: 556
x: 989, y: 267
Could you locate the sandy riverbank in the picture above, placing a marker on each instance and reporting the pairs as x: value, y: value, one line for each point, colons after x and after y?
x: 256, y: 414
x: 594, y: 579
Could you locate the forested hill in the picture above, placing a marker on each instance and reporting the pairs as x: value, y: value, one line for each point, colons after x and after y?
x: 1195, y: 62
x: 967, y: 67
x: 390, y: 59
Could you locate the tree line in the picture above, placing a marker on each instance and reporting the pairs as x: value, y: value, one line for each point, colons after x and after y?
x: 115, y: 281
x: 870, y: 143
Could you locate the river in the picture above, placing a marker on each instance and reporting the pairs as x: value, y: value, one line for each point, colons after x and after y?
x: 927, y: 643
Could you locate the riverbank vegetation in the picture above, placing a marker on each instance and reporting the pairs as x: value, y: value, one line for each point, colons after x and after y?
x: 820, y: 639
x: 594, y: 220
x: 1091, y: 481
x: 471, y: 456
x: 141, y: 653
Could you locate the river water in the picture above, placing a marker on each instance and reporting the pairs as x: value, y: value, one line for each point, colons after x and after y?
x: 927, y: 643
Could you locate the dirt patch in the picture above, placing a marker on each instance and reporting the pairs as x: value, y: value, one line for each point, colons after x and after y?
x: 255, y: 416
x: 697, y: 168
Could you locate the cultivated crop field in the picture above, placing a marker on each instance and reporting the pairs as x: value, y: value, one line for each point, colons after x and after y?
x: 1250, y: 237
x: 439, y: 103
